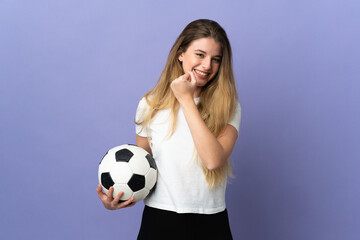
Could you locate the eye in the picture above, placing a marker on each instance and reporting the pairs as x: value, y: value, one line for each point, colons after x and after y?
x: 200, y: 54
x: 217, y: 60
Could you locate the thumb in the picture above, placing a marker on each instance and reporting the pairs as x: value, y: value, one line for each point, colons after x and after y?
x: 187, y: 77
x: 192, y: 78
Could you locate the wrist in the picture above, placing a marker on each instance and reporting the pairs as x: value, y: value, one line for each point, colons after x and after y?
x: 187, y: 102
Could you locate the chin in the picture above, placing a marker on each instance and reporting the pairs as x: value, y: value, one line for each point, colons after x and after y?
x: 201, y: 83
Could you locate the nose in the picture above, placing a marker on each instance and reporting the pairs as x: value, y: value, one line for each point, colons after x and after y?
x: 206, y: 63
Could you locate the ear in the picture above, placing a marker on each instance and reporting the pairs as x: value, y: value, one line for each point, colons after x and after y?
x: 181, y: 56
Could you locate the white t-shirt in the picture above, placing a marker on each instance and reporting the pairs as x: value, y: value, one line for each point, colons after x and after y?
x: 181, y: 186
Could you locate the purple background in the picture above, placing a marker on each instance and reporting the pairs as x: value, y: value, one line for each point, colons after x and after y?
x: 72, y: 73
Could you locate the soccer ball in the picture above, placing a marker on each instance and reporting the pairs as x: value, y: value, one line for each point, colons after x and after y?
x: 129, y: 169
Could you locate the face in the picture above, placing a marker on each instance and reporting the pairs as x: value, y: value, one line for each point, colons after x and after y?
x: 203, y: 58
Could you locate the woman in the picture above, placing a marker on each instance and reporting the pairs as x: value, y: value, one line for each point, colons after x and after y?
x: 189, y: 122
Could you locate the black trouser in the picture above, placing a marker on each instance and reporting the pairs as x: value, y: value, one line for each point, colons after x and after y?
x: 161, y: 224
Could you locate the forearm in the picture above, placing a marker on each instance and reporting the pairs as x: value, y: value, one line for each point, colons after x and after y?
x: 207, y: 145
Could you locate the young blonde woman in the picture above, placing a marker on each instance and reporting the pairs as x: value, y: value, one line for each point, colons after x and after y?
x: 189, y: 122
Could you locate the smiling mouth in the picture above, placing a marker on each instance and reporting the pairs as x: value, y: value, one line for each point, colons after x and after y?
x: 204, y: 74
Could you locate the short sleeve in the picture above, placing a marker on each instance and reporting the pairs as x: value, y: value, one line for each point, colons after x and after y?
x: 235, y: 122
x: 140, y: 113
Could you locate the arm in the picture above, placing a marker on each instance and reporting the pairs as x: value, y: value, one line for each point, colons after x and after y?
x: 212, y: 151
x: 143, y: 143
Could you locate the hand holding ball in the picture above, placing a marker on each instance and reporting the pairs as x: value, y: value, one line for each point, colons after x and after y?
x: 129, y: 169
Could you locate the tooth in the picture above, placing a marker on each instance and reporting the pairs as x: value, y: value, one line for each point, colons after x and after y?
x: 201, y: 73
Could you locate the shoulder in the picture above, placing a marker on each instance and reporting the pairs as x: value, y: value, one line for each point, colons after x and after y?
x: 236, y: 119
x: 142, y: 109
x: 238, y: 108
x: 143, y: 103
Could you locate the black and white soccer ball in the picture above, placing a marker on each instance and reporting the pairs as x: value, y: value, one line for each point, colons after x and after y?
x: 129, y: 169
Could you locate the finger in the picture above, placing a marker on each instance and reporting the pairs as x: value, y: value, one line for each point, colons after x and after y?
x: 110, y: 193
x: 131, y: 204
x: 127, y: 203
x: 98, y: 189
x: 118, y: 196
x: 99, y: 192
x: 186, y: 77
x: 193, y: 78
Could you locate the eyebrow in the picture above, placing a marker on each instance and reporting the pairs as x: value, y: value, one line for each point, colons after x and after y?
x: 205, y: 52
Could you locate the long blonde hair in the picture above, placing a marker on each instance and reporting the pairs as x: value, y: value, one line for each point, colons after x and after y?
x: 218, y: 97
